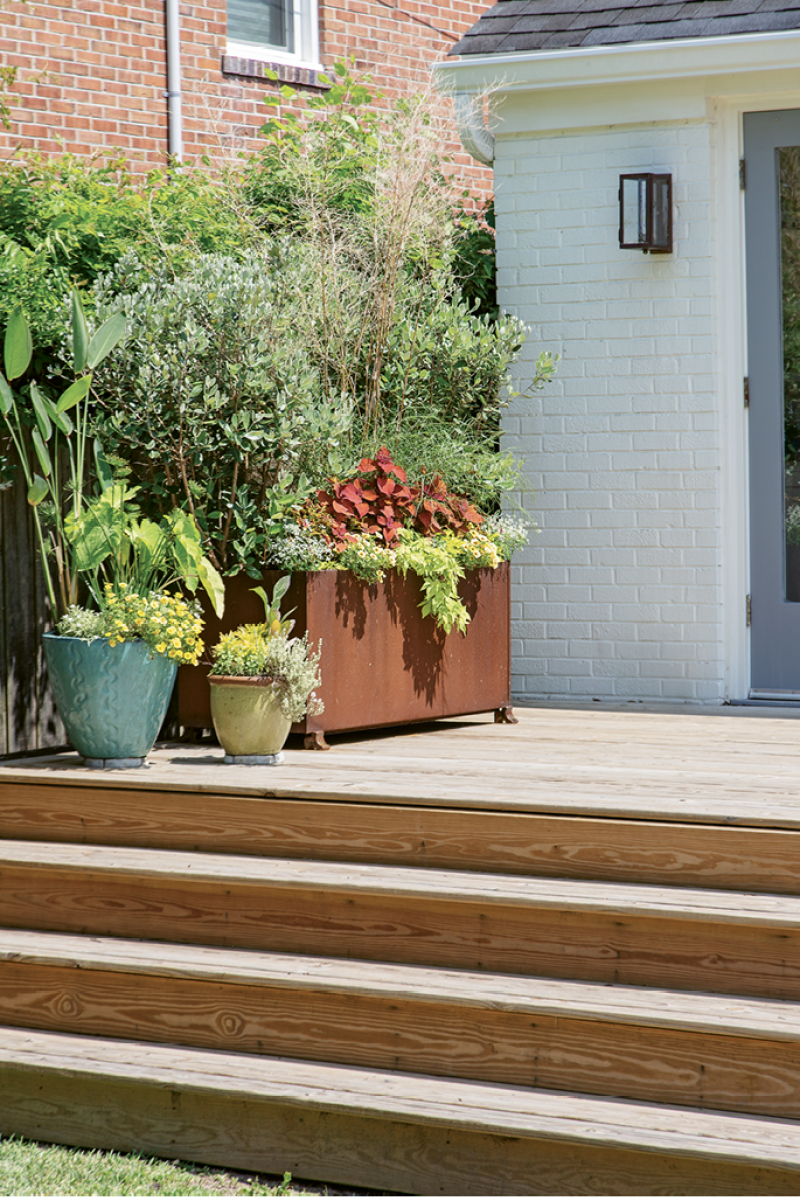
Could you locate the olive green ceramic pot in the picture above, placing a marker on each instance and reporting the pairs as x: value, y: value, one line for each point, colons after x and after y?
x: 248, y: 719
x: 111, y: 699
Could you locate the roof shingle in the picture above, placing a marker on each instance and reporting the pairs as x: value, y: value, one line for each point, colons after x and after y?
x: 518, y: 25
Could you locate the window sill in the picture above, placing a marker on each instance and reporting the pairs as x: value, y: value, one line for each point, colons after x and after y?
x: 291, y: 73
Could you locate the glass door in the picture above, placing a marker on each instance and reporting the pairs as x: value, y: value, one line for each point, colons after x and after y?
x: 772, y: 231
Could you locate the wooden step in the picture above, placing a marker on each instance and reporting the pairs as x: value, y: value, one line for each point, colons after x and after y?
x: 745, y: 944
x: 645, y: 849
x: 396, y: 1131
x: 646, y: 1044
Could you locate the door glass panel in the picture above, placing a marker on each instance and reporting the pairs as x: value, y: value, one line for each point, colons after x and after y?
x: 789, y: 173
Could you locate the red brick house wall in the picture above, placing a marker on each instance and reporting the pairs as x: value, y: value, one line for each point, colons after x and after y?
x: 92, y: 73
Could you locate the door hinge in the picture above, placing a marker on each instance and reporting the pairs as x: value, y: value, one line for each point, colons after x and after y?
x: 747, y: 391
x: 742, y: 174
x: 748, y: 610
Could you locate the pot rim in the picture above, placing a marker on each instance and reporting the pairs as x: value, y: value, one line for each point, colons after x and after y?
x: 89, y: 641
x: 251, y: 681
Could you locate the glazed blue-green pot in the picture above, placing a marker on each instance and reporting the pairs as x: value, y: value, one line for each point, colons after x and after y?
x: 112, y: 699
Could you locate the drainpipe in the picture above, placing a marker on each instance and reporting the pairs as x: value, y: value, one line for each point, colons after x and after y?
x: 472, y: 130
x: 173, y: 92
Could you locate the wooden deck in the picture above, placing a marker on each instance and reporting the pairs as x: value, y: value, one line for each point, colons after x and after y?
x: 557, y: 957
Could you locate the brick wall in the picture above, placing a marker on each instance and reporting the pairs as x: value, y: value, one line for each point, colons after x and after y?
x: 619, y: 595
x: 92, y: 73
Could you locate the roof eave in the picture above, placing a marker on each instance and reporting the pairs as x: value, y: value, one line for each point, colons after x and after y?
x: 534, y: 70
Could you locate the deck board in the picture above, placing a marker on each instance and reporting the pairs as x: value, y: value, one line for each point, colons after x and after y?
x: 717, y: 766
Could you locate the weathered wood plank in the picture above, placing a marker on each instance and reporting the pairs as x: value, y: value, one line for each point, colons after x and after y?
x: 721, y: 942
x: 744, y: 1017
x: 400, y: 1132
x: 744, y: 858
x: 432, y: 885
x: 685, y: 768
x: 413, y: 1034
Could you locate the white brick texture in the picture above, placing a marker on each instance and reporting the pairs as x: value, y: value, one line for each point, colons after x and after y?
x: 619, y: 595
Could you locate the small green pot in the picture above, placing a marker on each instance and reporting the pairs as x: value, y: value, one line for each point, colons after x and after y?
x: 112, y: 699
x: 248, y: 719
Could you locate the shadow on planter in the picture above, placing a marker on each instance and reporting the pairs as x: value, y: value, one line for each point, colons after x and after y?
x: 383, y: 663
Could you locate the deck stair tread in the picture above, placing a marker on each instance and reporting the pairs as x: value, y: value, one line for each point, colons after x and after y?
x: 537, y: 893
x: 556, y: 763
x: 413, y: 1098
x: 709, y: 1013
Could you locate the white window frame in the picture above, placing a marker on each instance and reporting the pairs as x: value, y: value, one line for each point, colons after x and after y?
x: 306, y: 31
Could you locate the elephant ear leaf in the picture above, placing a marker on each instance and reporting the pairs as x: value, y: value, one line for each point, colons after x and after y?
x: 80, y: 334
x: 213, y: 584
x: 105, y: 339
x: 37, y: 491
x: 42, y: 453
x: 6, y: 398
x: 18, y: 348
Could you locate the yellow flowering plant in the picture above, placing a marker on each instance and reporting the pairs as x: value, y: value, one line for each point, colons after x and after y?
x: 167, y: 622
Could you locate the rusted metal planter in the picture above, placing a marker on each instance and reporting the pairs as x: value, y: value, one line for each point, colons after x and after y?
x: 383, y: 663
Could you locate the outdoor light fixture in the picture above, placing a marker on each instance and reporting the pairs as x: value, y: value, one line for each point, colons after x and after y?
x: 645, y: 213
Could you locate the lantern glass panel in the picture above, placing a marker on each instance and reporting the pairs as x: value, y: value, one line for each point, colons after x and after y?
x: 634, y: 210
x: 662, y: 206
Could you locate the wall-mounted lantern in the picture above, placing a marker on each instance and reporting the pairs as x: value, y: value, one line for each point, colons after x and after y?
x: 645, y: 213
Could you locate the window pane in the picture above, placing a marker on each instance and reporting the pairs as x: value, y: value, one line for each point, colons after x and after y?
x: 789, y: 166
x: 266, y: 22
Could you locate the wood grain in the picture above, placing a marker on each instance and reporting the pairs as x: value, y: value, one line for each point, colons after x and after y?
x: 733, y: 766
x: 714, y: 950
x: 412, y: 1034
x: 749, y: 859
x: 400, y: 1132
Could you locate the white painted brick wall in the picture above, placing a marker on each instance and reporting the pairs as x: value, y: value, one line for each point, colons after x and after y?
x: 619, y: 595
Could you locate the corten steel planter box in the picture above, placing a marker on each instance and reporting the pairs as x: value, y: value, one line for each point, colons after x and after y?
x: 383, y: 663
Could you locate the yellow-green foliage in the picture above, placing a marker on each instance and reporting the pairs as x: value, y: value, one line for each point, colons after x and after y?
x: 169, y: 624
x: 290, y: 663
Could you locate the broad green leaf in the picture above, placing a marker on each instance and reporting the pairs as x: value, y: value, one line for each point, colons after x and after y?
x: 214, y: 585
x: 104, y: 473
x: 280, y: 590
x: 80, y: 334
x: 41, y: 414
x: 99, y: 530
x: 18, y: 349
x: 42, y: 453
x: 6, y: 397
x: 62, y: 421
x: 37, y: 491
x: 105, y: 339
x: 75, y: 392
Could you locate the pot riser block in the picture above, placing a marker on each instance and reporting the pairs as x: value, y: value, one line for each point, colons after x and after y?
x: 750, y: 859
x: 669, y: 1066
x: 434, y: 929
x: 353, y: 1149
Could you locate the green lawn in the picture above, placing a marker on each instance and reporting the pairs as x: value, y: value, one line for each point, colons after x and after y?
x: 41, y: 1169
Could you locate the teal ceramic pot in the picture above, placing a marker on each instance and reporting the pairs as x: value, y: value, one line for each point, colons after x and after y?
x: 112, y: 699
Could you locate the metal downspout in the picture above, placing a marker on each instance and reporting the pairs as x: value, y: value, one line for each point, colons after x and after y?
x: 173, y: 92
x: 475, y: 137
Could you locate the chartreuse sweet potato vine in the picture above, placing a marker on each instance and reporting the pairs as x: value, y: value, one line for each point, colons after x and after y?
x: 375, y: 521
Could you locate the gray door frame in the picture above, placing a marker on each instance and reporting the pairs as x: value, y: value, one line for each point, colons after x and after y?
x: 775, y: 628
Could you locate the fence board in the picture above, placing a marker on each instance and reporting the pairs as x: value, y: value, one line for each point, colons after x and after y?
x: 27, y: 715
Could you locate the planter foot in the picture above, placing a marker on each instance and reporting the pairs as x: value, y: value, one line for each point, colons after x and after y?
x: 316, y: 741
x: 255, y: 760
x: 504, y: 716
x: 114, y: 764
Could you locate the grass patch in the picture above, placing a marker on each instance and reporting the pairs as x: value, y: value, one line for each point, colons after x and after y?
x: 45, y: 1170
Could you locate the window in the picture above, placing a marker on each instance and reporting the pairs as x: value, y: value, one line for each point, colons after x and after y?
x: 274, y: 30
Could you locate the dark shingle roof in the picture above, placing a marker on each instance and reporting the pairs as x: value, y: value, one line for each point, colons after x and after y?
x: 517, y: 25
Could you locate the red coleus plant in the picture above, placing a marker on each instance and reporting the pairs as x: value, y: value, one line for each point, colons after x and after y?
x: 378, y: 500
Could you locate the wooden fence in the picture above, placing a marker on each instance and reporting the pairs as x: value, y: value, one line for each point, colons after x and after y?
x: 28, y: 720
